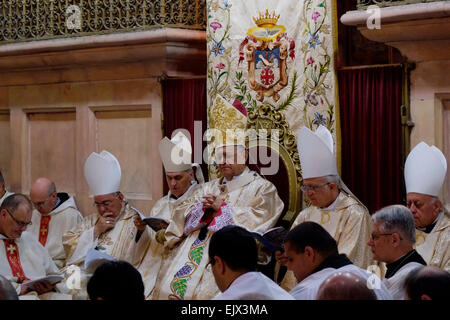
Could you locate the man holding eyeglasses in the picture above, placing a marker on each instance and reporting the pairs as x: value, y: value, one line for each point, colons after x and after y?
x: 55, y: 213
x: 3, y: 192
x: 22, y: 257
x: 111, y: 229
x: 425, y: 170
x: 392, y: 241
x: 333, y: 205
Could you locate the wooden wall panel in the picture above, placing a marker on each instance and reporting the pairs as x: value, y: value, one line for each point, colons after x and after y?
x: 125, y: 131
x: 446, y: 149
x: 5, y: 145
x: 52, y: 150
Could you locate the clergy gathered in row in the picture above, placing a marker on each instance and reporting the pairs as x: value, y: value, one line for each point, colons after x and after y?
x: 204, y: 247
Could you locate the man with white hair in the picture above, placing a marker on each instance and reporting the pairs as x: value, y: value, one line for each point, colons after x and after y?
x: 182, y: 181
x: 3, y: 192
x: 392, y: 240
x: 111, y: 229
x: 333, y: 205
x: 425, y: 170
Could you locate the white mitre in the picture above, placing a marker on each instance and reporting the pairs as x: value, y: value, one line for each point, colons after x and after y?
x: 176, y: 155
x: 425, y: 170
x: 102, y: 172
x: 316, y: 153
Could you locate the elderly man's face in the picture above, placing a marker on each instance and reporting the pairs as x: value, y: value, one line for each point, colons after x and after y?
x: 298, y: 263
x: 424, y: 208
x: 179, y: 182
x: 109, y: 203
x: 14, y: 223
x: 319, y: 192
x: 380, y: 243
x: 231, y: 160
x: 42, y: 201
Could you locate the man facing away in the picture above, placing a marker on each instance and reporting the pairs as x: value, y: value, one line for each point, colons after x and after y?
x: 425, y: 170
x: 427, y: 283
x: 392, y: 240
x: 55, y: 213
x: 233, y: 257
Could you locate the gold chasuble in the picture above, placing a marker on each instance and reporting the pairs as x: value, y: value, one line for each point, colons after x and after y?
x: 118, y: 242
x: 250, y: 201
x: 349, y: 224
x: 434, y: 247
x: 153, y: 256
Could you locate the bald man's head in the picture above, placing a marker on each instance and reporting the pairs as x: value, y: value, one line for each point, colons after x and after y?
x: 43, y: 195
x: 345, y: 286
x: 7, y: 291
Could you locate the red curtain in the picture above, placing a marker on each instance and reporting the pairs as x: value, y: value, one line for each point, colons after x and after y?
x: 184, y: 101
x: 370, y: 102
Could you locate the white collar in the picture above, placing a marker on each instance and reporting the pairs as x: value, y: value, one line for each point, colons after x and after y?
x: 332, y: 206
x: 234, y: 178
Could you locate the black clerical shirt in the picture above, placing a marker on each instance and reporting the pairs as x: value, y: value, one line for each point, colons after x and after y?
x: 412, y: 256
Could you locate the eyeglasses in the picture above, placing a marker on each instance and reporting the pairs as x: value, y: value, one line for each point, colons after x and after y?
x: 313, y: 188
x: 416, y: 203
x: 19, y: 223
x: 375, y: 236
x: 105, y: 203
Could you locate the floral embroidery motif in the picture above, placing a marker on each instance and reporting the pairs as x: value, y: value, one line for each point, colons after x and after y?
x: 307, y: 93
x: 180, y: 281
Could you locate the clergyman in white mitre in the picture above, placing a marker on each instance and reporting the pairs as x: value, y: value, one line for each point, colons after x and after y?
x: 333, y: 205
x: 425, y: 170
x: 184, y: 184
x: 111, y: 229
x: 241, y: 197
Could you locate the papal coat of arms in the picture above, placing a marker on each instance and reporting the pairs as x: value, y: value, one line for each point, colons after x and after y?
x: 266, y: 49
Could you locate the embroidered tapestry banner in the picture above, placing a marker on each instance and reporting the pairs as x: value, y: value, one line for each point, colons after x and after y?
x: 275, y: 57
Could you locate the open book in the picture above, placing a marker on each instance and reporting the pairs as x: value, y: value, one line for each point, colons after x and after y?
x: 53, y: 279
x: 153, y: 222
x: 272, y: 239
x: 94, y: 259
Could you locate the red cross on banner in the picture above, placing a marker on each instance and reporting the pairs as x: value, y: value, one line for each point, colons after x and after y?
x: 267, y: 77
x: 43, y: 229
x: 12, y: 254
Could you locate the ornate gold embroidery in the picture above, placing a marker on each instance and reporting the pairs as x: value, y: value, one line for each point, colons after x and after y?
x: 420, y: 239
x: 325, y: 214
x: 105, y: 240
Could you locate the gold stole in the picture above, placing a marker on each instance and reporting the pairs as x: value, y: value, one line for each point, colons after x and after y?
x: 426, y: 244
x: 236, y: 184
x: 327, y: 219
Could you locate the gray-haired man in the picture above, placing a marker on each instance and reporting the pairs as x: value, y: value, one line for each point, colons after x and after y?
x: 392, y: 240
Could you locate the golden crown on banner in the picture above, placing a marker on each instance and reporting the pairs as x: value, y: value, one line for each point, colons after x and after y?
x: 267, y: 19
